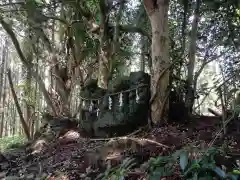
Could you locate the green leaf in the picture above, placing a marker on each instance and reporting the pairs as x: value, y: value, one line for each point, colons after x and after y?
x: 209, y: 166
x: 195, y: 164
x: 155, y: 177
x: 161, y: 160
x: 183, y: 160
x: 193, y: 168
x: 114, y: 177
x: 236, y: 171
x: 97, y: 18
x: 128, y: 163
x: 220, y: 172
x: 157, y: 174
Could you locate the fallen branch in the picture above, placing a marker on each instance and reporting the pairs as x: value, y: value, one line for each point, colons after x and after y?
x: 110, y: 140
x: 210, y: 144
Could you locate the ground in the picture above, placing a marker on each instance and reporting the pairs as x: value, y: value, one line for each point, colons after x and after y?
x: 73, y: 157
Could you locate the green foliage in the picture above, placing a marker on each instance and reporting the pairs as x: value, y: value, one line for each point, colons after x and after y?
x: 12, y: 142
x: 192, y: 163
x: 160, y: 167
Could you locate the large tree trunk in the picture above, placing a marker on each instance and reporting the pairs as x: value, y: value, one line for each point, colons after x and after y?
x: 191, y: 64
x: 104, y: 63
x: 158, y: 14
x: 63, y: 87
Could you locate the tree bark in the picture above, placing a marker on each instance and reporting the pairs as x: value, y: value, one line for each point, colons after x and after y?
x: 4, y: 52
x: 5, y: 92
x: 28, y: 96
x: 143, y: 53
x: 191, y: 64
x: 13, y: 116
x: 104, y: 63
x: 157, y: 11
x: 3, y: 103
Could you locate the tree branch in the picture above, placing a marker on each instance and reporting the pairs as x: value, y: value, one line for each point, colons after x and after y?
x: 134, y: 29
x: 205, y: 63
x: 95, y: 28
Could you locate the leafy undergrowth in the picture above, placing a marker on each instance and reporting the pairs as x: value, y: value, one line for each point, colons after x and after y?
x: 11, y: 142
x: 170, y: 152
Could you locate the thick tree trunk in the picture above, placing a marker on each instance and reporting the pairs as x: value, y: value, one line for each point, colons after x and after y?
x: 63, y: 87
x: 104, y: 63
x: 157, y: 11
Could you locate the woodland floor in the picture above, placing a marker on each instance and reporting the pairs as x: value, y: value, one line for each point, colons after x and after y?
x: 74, y: 157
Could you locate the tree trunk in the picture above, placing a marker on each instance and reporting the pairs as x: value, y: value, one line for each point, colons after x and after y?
x: 191, y: 64
x: 5, y: 92
x: 143, y: 53
x: 24, y: 124
x: 6, y: 127
x: 104, y: 63
x: 63, y: 87
x: 28, y: 96
x: 13, y: 117
x: 4, y: 52
x: 158, y: 14
x: 3, y: 104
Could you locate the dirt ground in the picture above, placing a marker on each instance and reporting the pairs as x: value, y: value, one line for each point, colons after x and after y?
x: 74, y: 157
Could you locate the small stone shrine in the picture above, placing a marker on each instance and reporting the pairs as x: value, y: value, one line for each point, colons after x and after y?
x: 120, y: 109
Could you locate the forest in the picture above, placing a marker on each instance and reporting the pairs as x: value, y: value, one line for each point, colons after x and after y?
x: 119, y: 89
